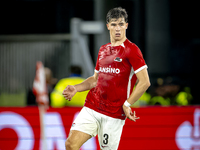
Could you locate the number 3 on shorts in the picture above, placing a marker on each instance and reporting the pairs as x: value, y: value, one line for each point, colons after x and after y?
x: 105, y: 141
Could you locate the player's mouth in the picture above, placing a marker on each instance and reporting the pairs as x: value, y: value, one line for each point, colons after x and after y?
x: 117, y: 34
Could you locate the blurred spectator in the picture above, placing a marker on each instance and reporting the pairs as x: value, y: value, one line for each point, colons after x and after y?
x: 58, y: 100
x: 50, y: 81
x: 184, y: 97
x: 170, y: 92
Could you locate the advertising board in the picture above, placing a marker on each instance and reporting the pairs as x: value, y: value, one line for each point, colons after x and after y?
x: 159, y: 128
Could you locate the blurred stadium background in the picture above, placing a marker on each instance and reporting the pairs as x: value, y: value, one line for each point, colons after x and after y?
x: 167, y: 32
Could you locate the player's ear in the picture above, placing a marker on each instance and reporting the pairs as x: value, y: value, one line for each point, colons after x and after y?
x: 108, y: 26
x: 126, y: 25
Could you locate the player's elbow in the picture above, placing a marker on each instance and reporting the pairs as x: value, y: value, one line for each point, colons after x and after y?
x: 147, y: 84
x: 94, y: 81
x: 93, y: 84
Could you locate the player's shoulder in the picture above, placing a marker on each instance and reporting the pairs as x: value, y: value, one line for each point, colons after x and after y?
x: 105, y: 45
x: 130, y: 45
x: 131, y: 48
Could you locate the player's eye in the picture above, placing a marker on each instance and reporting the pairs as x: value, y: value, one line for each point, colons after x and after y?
x: 113, y: 24
x: 121, y: 24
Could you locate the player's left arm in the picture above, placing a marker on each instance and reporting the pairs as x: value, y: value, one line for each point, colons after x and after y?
x: 141, y: 87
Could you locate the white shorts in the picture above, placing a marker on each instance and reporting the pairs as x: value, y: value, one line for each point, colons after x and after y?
x: 109, y: 129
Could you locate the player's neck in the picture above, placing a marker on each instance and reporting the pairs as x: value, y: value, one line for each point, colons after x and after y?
x: 117, y: 42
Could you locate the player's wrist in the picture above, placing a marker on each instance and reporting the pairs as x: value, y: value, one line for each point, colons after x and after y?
x: 127, y: 104
x: 75, y: 87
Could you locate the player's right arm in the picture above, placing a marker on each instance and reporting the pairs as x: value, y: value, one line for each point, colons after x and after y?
x: 87, y: 84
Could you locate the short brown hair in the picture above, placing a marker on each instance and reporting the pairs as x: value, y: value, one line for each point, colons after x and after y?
x: 117, y: 13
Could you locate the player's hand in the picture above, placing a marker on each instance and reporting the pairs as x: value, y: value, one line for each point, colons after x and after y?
x: 69, y: 92
x: 129, y: 114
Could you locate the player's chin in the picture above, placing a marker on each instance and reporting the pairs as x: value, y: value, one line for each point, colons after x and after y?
x: 117, y: 38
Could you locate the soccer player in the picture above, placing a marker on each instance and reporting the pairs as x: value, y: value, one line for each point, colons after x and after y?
x: 119, y: 64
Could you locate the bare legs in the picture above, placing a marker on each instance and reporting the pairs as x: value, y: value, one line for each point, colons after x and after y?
x: 76, y: 139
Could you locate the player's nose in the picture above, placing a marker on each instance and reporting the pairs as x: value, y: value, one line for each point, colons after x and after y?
x: 117, y: 28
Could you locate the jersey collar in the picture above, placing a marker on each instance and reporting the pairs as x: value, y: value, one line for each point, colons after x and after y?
x: 122, y: 45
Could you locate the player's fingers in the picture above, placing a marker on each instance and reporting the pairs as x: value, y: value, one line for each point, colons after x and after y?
x: 134, y: 114
x: 67, y: 99
x: 64, y: 92
x: 131, y: 118
x: 67, y: 96
x: 137, y: 118
x: 66, y: 89
x: 131, y: 113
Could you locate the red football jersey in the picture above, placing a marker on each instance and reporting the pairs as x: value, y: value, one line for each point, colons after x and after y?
x: 116, y: 66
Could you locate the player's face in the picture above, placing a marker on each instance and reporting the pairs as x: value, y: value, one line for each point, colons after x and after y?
x: 117, y: 28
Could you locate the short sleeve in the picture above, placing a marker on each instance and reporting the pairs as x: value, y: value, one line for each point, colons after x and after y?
x: 97, y: 65
x: 136, y: 59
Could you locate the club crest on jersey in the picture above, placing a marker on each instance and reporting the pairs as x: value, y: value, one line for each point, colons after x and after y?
x: 109, y: 70
x: 118, y: 59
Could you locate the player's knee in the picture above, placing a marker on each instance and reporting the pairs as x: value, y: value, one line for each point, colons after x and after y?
x: 69, y: 145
